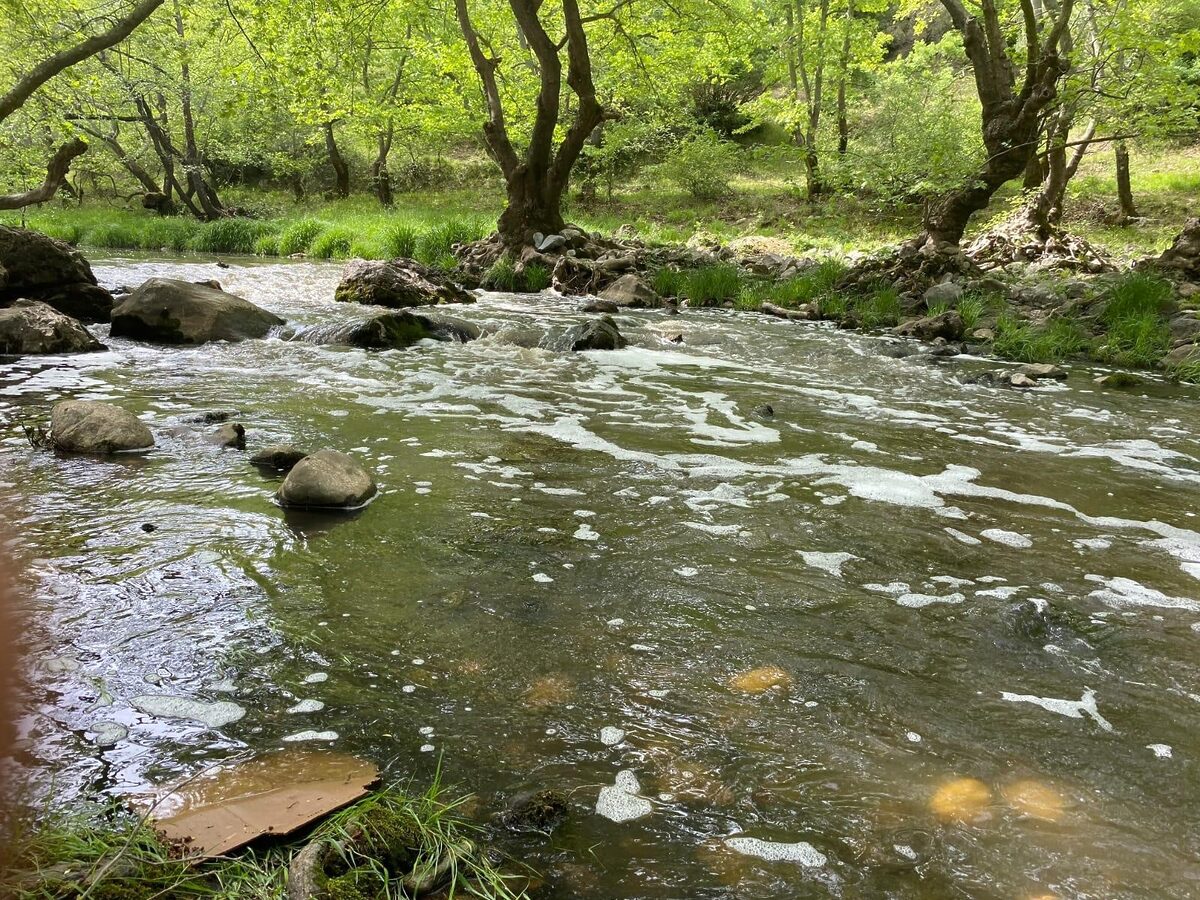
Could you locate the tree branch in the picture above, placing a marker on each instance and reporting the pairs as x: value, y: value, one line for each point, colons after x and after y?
x: 56, y: 174
x: 11, y: 101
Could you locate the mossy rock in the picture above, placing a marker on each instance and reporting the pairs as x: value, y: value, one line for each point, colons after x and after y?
x: 361, y: 883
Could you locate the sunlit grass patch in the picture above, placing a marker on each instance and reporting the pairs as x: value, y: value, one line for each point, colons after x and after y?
x: 1023, y: 342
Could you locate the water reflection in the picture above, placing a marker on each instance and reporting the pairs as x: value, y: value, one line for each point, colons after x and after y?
x: 810, y: 626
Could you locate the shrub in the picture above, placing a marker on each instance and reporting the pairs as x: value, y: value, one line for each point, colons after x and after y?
x: 400, y: 240
x: 298, y: 236
x: 227, y: 236
x: 537, y: 278
x: 332, y: 243
x: 712, y: 284
x: 701, y: 166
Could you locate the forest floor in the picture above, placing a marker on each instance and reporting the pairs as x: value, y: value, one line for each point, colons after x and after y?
x: 765, y: 199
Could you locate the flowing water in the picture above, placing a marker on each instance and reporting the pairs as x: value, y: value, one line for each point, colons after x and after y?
x: 951, y: 582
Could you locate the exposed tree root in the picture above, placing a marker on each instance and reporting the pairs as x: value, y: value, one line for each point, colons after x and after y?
x: 1021, y: 240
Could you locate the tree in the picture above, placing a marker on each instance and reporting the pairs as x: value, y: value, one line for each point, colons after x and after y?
x: 16, y: 96
x: 1013, y: 114
x: 537, y: 178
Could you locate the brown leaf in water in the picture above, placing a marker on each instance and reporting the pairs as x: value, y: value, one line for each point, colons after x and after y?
x: 273, y: 794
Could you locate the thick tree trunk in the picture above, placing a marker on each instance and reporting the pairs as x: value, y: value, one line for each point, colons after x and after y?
x: 341, y: 171
x: 1124, y: 188
x: 534, y: 205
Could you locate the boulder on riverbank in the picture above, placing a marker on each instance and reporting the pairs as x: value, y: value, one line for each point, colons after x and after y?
x: 327, y: 479
x: 397, y: 283
x: 167, y: 311
x: 35, y: 266
x: 1182, y: 258
x: 395, y: 331
x: 88, y: 426
x: 631, y: 292
x: 30, y: 327
x: 947, y: 325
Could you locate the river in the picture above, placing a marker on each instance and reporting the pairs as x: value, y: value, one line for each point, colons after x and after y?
x: 947, y: 580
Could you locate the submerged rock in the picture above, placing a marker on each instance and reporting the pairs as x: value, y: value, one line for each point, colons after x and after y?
x: 1038, y: 371
x: 37, y: 267
x: 397, y: 283
x: 282, y: 457
x: 1035, y: 800
x: 168, y: 311
x: 31, y: 327
x: 229, y: 435
x: 327, y: 479
x: 597, y: 334
x: 397, y: 330
x: 1118, y: 380
x: 961, y: 800
x: 540, y: 811
x: 88, y: 426
x: 761, y: 680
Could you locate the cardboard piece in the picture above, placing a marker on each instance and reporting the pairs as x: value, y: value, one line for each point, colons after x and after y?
x: 274, y: 794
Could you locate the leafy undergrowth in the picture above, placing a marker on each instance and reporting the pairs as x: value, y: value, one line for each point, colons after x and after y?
x: 391, y: 844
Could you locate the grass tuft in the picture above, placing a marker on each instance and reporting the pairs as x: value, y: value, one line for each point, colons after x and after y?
x: 299, y: 236
x: 668, y: 282
x: 1020, y: 341
x: 400, y: 240
x: 711, y: 285
x: 332, y: 243
x: 537, y: 278
x: 502, y: 276
x: 881, y: 308
x: 1136, y: 333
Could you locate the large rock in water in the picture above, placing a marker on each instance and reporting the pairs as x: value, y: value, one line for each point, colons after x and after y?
x: 327, y: 479
x: 179, y: 312
x: 596, y: 334
x: 37, y: 267
x: 397, y: 283
x: 87, y: 426
x: 400, y: 329
x: 32, y: 327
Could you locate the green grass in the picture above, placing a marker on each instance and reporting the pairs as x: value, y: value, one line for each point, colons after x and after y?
x: 436, y: 244
x: 502, y: 276
x: 400, y: 240
x: 391, y: 842
x: 880, y: 308
x: 299, y: 236
x: 332, y: 243
x: 1057, y: 340
x: 537, y: 278
x: 1136, y: 330
x: 937, y: 307
x: 971, y: 307
x: 712, y: 285
x: 228, y: 236
x: 668, y: 282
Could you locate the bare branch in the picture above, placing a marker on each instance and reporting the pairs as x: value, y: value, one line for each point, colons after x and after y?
x: 56, y: 174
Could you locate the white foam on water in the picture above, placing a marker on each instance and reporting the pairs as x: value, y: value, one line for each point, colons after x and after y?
x: 895, y: 588
x: 1000, y: 593
x: 311, y: 736
x: 316, y: 678
x: 1008, y: 538
x: 215, y: 715
x: 108, y: 734
x: 1124, y: 592
x: 913, y: 737
x: 427, y: 748
x: 583, y: 513
x: 620, y: 801
x: 610, y: 735
x: 951, y: 580
x: 306, y: 706
x: 800, y: 852
x: 1100, y: 543
x: 1162, y: 751
x: 827, y: 562
x: 615, y: 623
x: 917, y: 601
x: 542, y: 578
x: 687, y: 572
x: 1072, y: 709
x: 585, y: 532
x: 714, y: 529
x: 963, y: 538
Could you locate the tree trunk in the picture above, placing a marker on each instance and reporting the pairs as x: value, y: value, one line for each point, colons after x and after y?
x: 534, y: 205
x: 1012, y: 117
x: 341, y: 171
x: 193, y: 162
x: 381, y: 178
x: 1124, y: 188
